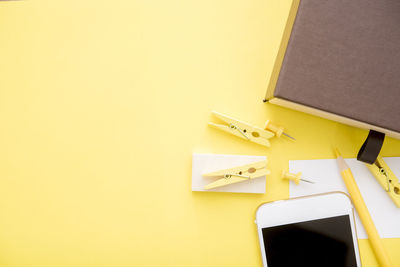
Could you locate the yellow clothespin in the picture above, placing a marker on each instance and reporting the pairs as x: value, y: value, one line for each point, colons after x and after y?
x: 388, y: 180
x: 238, y: 174
x: 243, y: 130
x: 295, y: 177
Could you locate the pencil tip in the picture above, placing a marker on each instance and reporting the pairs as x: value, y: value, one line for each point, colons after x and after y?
x: 337, y: 153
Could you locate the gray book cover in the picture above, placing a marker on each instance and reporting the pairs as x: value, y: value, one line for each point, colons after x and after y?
x: 343, y: 57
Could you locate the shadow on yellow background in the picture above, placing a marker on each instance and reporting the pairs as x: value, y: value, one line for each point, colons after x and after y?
x: 102, y: 104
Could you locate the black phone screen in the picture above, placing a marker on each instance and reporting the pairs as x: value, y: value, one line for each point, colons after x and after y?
x: 323, y: 242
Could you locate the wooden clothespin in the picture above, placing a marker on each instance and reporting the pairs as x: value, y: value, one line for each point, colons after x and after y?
x: 237, y: 174
x: 243, y: 130
x: 387, y: 179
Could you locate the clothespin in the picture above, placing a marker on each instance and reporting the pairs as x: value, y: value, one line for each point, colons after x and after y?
x: 295, y: 177
x: 387, y: 179
x: 238, y: 174
x: 243, y: 130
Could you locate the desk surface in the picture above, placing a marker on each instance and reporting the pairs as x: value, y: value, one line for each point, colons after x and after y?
x: 102, y: 105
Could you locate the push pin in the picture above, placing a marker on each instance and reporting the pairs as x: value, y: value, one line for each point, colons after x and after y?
x: 278, y: 130
x: 294, y: 177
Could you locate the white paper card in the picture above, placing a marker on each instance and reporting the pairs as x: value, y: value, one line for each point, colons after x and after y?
x: 205, y: 163
x: 326, y: 176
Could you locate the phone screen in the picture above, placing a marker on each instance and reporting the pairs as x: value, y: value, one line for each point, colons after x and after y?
x: 323, y: 242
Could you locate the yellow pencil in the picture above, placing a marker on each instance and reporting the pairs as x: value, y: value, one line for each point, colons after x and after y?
x: 362, y: 211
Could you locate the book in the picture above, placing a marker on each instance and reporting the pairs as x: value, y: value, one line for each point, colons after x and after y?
x: 341, y: 60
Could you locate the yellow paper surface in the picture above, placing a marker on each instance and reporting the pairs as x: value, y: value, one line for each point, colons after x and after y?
x: 102, y: 104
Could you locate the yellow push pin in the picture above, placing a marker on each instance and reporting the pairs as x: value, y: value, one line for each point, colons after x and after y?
x: 278, y: 130
x: 295, y: 177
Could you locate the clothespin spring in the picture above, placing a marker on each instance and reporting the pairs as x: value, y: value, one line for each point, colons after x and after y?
x: 232, y: 126
x: 250, y: 170
x: 383, y: 172
x: 227, y: 176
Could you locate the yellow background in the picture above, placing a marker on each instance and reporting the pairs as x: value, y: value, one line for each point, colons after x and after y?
x: 102, y: 104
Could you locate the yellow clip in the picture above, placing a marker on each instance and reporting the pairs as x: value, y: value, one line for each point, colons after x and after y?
x: 388, y: 180
x: 243, y: 130
x: 237, y: 174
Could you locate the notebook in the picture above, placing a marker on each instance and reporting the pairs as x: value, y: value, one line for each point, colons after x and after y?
x: 341, y: 60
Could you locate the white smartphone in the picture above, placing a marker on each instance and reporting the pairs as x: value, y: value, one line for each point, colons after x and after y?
x: 308, y: 231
